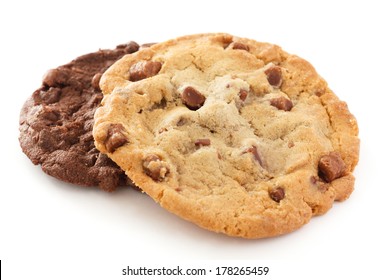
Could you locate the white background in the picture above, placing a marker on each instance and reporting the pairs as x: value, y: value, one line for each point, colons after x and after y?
x: 53, y: 230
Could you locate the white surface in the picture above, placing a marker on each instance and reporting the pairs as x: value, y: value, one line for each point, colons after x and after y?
x: 48, y: 227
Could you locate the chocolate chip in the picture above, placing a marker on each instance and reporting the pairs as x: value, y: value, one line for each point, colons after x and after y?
x: 274, y: 76
x: 55, y: 77
x: 243, y: 94
x: 132, y: 47
x: 95, y: 81
x: 115, y: 137
x: 282, y: 103
x: 255, y: 154
x: 192, y: 98
x: 331, y: 167
x: 276, y: 194
x: 239, y: 46
x: 155, y: 168
x: 144, y: 69
x: 202, y: 142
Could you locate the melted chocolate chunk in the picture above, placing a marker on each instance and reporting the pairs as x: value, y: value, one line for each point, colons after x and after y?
x: 243, y: 94
x: 130, y: 47
x: 192, y: 98
x: 144, y: 69
x: 274, y: 76
x: 239, y: 46
x: 282, y: 103
x: 115, y: 137
x: 155, y: 168
x: 277, y: 194
x: 331, y: 167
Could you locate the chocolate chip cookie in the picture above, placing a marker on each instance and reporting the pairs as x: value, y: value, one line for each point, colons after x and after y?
x: 235, y: 135
x: 56, y: 122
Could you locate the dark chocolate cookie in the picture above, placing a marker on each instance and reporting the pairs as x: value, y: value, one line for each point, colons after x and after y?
x: 56, y: 122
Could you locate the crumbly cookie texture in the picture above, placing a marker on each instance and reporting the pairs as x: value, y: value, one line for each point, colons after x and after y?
x: 234, y: 135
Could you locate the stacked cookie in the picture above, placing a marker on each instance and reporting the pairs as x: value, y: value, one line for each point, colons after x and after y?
x: 234, y: 135
x: 56, y: 122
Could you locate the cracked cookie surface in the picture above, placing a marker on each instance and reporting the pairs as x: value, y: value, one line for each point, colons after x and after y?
x: 234, y: 135
x: 56, y: 122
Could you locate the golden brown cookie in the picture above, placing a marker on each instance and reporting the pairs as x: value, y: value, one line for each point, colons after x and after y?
x: 234, y: 135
